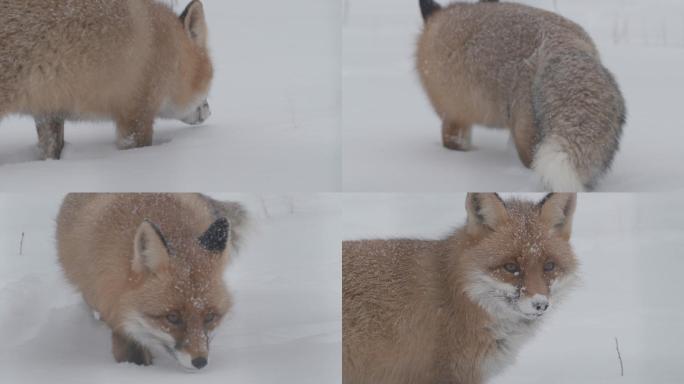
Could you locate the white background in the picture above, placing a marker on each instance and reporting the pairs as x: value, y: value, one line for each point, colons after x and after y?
x: 285, y: 326
x: 391, y: 135
x: 275, y: 126
x: 630, y: 252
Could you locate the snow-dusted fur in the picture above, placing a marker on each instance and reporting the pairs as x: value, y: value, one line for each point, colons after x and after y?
x: 455, y: 310
x: 532, y: 71
x: 125, y: 60
x: 151, y: 266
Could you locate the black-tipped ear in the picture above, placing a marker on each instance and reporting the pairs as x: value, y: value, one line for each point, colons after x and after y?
x: 557, y: 211
x: 186, y: 11
x: 485, y: 211
x: 194, y: 22
x: 428, y: 8
x: 215, y: 239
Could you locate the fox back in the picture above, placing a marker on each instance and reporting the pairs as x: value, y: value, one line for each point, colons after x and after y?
x: 152, y: 265
x: 125, y: 60
x: 529, y: 70
x: 456, y: 309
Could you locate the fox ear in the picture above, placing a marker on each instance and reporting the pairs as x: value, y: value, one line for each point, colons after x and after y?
x: 485, y: 211
x: 195, y: 23
x: 151, y: 251
x: 215, y: 239
x: 557, y: 210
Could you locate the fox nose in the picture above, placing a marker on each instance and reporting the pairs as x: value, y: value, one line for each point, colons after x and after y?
x: 199, y: 362
x: 540, y: 305
x: 200, y: 115
x: 203, y: 112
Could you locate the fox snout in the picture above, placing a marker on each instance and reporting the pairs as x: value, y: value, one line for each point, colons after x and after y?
x: 193, y: 352
x: 190, y: 360
x: 534, y: 306
x: 509, y: 300
x: 200, y: 115
x: 199, y: 362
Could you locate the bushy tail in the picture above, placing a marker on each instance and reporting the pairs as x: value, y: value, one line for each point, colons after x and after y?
x: 580, y: 112
x: 428, y: 8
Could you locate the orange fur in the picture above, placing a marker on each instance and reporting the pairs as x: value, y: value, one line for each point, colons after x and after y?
x: 421, y: 312
x: 138, y: 258
x: 126, y: 60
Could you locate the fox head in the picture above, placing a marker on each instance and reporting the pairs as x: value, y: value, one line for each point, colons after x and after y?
x: 518, y: 260
x: 180, y: 297
x: 188, y: 99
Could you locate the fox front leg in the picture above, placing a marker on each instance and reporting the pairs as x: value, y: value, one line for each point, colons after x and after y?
x: 457, y: 136
x: 50, y: 136
x: 134, y: 131
x: 127, y: 350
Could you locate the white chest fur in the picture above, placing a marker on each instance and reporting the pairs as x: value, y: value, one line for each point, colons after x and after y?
x: 510, y: 335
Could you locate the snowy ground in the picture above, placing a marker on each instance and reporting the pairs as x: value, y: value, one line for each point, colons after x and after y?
x: 275, y: 124
x: 391, y: 134
x: 629, y: 247
x: 285, y: 327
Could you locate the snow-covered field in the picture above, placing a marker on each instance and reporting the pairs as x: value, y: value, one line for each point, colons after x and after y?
x: 391, y: 136
x: 275, y: 126
x: 629, y: 247
x: 285, y: 326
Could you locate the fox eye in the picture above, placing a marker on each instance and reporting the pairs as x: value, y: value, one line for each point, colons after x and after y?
x: 512, y: 267
x: 210, y: 318
x: 174, y: 318
x: 549, y: 266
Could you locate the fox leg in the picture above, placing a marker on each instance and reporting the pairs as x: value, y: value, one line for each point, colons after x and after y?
x: 524, y: 136
x: 456, y: 136
x: 50, y: 136
x: 134, y: 131
x: 524, y: 131
x: 127, y: 350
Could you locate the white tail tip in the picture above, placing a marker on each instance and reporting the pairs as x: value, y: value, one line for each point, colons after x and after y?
x: 554, y: 166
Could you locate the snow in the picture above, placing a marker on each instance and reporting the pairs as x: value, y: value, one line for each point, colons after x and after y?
x: 391, y: 135
x: 275, y: 123
x: 629, y: 248
x: 285, y: 326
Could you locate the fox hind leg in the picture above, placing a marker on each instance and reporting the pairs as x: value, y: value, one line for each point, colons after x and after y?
x: 524, y: 132
x: 127, y: 350
x: 457, y: 136
x: 50, y: 136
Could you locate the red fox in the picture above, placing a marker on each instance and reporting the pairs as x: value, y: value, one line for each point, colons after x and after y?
x: 151, y: 266
x: 528, y: 70
x: 455, y: 310
x: 126, y: 60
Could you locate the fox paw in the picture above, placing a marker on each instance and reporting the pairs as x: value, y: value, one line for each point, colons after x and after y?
x: 126, y: 350
x: 457, y: 142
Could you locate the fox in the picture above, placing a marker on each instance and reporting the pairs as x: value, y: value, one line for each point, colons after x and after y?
x: 130, y: 61
x: 151, y: 266
x: 528, y: 70
x: 456, y: 310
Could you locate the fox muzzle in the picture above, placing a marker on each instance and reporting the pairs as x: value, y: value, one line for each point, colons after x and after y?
x: 200, y: 115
